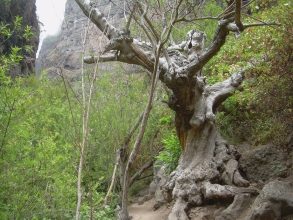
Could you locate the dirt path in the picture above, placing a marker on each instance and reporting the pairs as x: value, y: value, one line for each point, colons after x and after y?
x: 145, y: 211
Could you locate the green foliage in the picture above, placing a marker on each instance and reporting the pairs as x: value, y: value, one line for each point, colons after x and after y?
x: 27, y: 32
x: 263, y: 111
x: 39, y: 142
x: 34, y: 170
x: 12, y: 56
x: 166, y: 120
x: 86, y: 212
x: 36, y: 160
x: 41, y: 121
x: 40, y: 136
x: 172, y: 151
x: 7, y: 32
x: 39, y: 148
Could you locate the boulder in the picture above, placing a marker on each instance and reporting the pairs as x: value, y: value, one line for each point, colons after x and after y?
x: 274, y: 202
x: 263, y: 163
x: 160, y: 180
x: 239, y: 206
x: 141, y: 201
x: 205, y: 212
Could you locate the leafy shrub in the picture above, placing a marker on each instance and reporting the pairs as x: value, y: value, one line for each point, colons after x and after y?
x: 263, y: 111
x: 172, y: 151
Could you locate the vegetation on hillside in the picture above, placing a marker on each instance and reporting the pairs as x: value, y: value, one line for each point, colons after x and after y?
x: 262, y: 112
x: 41, y: 121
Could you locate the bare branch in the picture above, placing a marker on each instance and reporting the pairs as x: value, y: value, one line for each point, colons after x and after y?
x: 144, y: 16
x: 150, y: 162
x: 132, y: 55
x: 145, y: 29
x: 113, y: 178
x: 233, y: 27
x: 141, y: 55
x: 96, y: 59
x: 116, y: 56
x: 98, y: 19
x: 151, y: 146
x: 196, y: 19
x: 86, y: 103
x: 141, y: 170
x: 238, y: 15
x: 127, y: 27
x: 168, y: 29
x: 216, y: 44
x: 133, y: 129
x: 261, y: 24
x: 220, y: 91
x: 228, y: 11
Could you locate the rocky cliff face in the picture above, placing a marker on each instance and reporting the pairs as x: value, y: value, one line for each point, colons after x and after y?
x: 66, y: 53
x: 48, y: 45
x: 27, y: 10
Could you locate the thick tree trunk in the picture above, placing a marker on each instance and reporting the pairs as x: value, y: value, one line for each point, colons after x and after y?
x: 208, y: 166
x: 208, y: 170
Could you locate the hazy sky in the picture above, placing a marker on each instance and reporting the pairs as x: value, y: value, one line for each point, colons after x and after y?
x: 50, y: 13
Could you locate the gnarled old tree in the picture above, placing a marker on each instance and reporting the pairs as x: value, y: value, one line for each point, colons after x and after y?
x: 208, y: 167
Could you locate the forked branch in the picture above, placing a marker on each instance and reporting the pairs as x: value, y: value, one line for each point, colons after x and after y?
x: 220, y: 91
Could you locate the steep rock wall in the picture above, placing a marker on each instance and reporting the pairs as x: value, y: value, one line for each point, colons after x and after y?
x: 69, y: 47
x: 27, y: 10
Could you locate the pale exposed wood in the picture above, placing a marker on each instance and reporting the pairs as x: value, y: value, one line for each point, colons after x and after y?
x: 85, y: 120
x: 113, y: 178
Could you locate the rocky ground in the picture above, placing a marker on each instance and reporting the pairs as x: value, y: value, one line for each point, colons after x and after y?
x: 268, y: 168
x: 147, y: 212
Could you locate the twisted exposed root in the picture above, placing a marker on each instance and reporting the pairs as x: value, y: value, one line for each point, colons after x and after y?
x: 212, y: 174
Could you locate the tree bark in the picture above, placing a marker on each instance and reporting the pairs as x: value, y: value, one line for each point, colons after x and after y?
x: 208, y: 166
x: 124, y: 151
